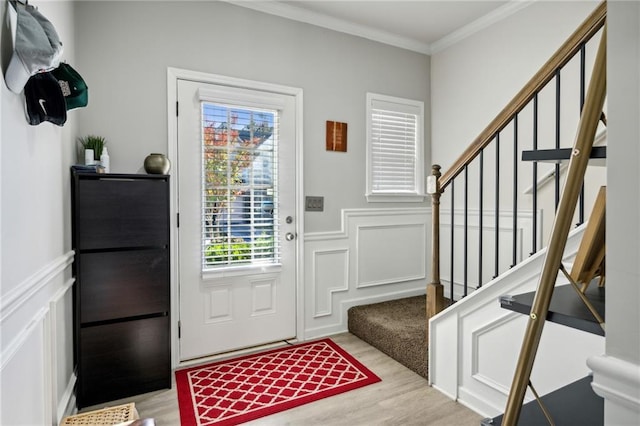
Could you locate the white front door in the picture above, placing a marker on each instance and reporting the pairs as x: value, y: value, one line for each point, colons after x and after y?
x: 237, y: 217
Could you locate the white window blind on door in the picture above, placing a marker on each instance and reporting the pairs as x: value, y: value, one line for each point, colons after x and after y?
x: 394, y: 144
x: 239, y: 186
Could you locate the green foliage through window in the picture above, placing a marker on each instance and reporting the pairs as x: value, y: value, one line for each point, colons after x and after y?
x: 237, y: 250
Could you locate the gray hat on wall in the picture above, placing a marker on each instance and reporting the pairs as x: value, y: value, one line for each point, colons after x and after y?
x: 36, y: 47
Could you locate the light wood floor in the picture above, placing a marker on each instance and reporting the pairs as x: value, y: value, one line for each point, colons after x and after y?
x: 401, y: 398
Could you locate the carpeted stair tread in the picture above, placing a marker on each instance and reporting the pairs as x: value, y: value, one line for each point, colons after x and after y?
x: 396, y: 327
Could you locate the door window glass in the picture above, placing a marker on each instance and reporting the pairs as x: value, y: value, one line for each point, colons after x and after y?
x: 239, y: 186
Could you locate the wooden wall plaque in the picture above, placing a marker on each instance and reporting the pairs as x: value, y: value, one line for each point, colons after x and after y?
x: 336, y: 136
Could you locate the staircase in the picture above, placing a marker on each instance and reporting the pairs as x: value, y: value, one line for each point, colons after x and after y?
x: 474, y: 343
x: 575, y: 403
x: 396, y: 327
x: 487, y: 348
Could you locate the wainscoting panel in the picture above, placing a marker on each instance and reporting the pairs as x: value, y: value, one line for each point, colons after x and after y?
x: 36, y: 356
x: 378, y: 255
x: 486, y: 340
x: 485, y: 255
x: 25, y: 367
x: 391, y: 254
x: 331, y: 275
x: 483, y: 339
x: 63, y: 378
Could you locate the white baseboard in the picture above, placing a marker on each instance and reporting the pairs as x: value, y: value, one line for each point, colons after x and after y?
x: 618, y: 382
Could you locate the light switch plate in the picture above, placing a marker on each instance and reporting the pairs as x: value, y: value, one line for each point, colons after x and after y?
x: 313, y: 204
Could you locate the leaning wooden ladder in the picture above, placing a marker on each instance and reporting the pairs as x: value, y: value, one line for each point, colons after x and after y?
x: 589, y: 119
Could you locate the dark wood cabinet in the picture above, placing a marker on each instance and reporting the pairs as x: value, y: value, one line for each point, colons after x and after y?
x: 122, y: 341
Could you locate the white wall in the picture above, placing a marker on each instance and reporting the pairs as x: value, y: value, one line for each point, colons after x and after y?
x: 35, y: 298
x: 617, y: 372
x: 623, y: 200
x: 126, y: 73
x: 475, y: 78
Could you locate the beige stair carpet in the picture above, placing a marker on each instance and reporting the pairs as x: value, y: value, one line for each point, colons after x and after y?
x: 396, y: 327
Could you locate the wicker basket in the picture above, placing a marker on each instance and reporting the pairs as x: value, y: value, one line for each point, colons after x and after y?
x: 104, y: 417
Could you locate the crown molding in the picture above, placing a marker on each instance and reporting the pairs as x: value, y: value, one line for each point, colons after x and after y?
x: 479, y: 24
x: 295, y: 13
x: 302, y: 15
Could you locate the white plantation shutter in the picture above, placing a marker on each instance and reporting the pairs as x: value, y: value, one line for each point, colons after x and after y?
x: 393, y: 145
x: 394, y: 149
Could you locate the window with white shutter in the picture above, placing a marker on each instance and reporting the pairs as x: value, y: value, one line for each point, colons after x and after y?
x: 395, y: 172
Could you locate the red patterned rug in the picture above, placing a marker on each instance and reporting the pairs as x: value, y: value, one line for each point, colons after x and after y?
x: 242, y: 389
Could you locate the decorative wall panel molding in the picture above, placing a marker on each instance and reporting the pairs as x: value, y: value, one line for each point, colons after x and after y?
x: 391, y: 253
x: 34, y: 283
x: 61, y: 351
x: 37, y: 345
x: 18, y: 342
x: 472, y: 329
x: 377, y: 255
x: 25, y: 367
x: 486, y: 331
x: 331, y: 275
x: 524, y: 238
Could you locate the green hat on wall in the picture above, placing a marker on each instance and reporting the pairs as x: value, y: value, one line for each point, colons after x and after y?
x: 74, y: 89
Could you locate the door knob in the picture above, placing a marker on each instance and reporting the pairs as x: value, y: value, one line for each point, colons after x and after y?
x: 290, y: 236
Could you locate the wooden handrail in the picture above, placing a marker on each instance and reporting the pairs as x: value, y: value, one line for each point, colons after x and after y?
x: 587, y: 29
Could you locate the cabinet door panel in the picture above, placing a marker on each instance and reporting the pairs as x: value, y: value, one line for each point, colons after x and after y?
x: 123, y: 284
x: 124, y: 359
x: 116, y: 213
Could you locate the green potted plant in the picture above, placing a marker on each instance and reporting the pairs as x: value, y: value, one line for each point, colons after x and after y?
x: 95, y: 143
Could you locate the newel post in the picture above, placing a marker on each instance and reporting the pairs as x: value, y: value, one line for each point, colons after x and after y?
x: 435, y: 297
